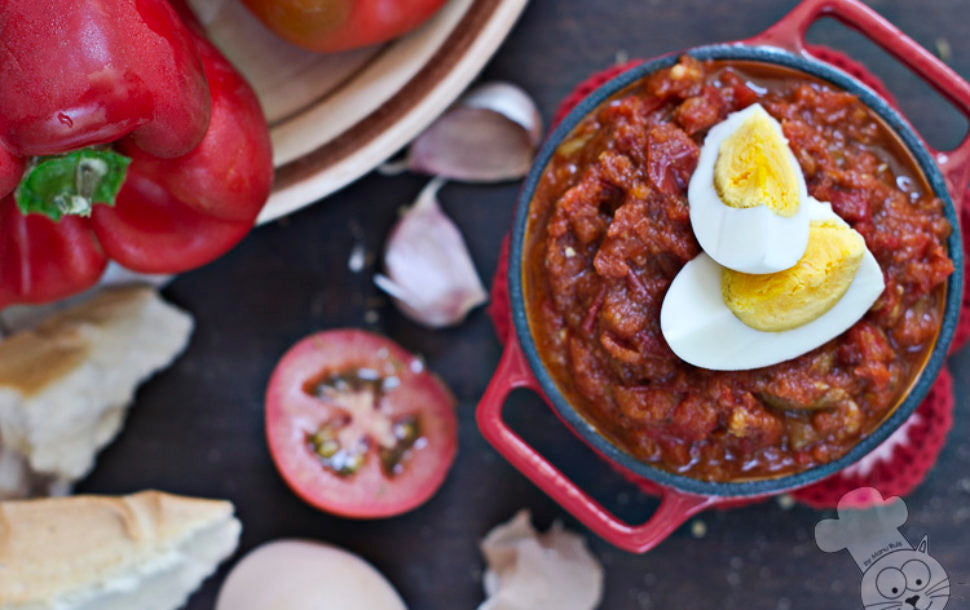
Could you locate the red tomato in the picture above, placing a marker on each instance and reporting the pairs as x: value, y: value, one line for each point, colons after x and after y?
x: 337, y: 25
x: 357, y: 426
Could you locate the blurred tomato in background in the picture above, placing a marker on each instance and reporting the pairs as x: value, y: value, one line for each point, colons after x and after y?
x: 338, y: 25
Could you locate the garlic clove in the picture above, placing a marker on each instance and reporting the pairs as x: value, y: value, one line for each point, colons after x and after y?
x: 511, y: 102
x: 429, y: 272
x: 489, y: 135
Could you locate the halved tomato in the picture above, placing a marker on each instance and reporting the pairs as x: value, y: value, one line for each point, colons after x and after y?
x: 357, y: 426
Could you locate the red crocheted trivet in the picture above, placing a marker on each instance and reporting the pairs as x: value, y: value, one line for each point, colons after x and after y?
x: 900, y: 463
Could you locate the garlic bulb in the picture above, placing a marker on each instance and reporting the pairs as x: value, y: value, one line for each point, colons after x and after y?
x: 429, y: 272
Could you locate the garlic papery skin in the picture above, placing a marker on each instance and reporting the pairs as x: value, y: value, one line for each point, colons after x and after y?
x: 429, y: 272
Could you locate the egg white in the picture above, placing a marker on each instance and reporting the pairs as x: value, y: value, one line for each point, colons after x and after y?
x: 750, y: 240
x: 702, y: 331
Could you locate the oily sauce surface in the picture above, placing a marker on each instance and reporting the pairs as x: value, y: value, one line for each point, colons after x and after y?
x: 609, y: 229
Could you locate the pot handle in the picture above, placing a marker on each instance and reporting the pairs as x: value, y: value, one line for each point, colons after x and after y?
x: 675, y: 507
x: 789, y: 33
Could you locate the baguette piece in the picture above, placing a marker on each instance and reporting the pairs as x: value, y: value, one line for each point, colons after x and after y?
x: 146, y: 551
x: 65, y: 385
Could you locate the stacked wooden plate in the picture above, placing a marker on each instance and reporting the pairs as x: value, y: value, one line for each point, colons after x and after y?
x: 335, y: 117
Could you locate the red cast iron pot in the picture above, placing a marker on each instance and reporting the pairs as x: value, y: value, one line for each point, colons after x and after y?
x: 681, y: 497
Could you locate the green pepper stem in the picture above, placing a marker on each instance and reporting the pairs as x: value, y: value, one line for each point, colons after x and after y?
x: 72, y: 183
x: 88, y: 176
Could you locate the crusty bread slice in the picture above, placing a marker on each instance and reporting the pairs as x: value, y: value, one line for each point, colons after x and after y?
x: 146, y: 551
x: 65, y: 384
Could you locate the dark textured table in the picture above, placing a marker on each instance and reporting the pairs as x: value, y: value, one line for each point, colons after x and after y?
x: 198, y: 427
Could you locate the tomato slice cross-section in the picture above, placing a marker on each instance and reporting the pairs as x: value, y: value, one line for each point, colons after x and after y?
x: 357, y: 426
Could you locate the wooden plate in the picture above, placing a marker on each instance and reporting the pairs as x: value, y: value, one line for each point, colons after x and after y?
x: 335, y: 117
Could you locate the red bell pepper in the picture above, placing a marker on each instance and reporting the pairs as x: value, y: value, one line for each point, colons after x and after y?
x: 124, y: 135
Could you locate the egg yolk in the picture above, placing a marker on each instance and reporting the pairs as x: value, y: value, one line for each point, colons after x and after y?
x: 754, y: 168
x: 796, y: 296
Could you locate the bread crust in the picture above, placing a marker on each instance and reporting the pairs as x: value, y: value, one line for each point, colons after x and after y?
x: 53, y: 548
x: 65, y: 384
x: 32, y: 359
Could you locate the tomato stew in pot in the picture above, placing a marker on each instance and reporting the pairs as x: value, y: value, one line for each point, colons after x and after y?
x: 609, y: 229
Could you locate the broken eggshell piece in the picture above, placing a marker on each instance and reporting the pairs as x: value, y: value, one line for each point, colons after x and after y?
x: 489, y: 135
x: 529, y: 570
x: 429, y: 272
x: 305, y: 575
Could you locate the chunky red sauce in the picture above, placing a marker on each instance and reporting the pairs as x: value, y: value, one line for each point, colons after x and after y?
x: 609, y: 230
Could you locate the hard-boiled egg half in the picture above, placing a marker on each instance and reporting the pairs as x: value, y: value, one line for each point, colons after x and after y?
x: 721, y: 319
x: 748, y: 196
